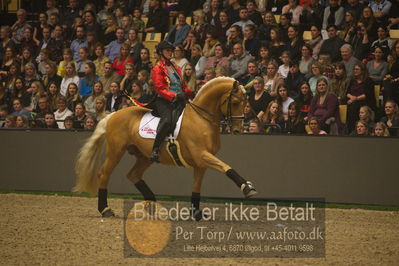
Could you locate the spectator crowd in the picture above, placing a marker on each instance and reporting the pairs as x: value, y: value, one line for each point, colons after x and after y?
x: 308, y: 66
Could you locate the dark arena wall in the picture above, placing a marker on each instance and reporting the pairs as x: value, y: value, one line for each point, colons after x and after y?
x: 339, y: 169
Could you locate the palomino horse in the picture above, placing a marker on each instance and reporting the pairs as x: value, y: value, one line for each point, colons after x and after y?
x: 199, y: 140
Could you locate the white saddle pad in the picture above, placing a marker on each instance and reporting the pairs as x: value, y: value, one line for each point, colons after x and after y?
x: 149, y: 124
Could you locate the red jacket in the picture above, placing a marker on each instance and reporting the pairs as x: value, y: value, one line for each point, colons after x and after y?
x: 161, y: 80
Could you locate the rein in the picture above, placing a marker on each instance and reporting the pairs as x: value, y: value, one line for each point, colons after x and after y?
x: 229, y: 116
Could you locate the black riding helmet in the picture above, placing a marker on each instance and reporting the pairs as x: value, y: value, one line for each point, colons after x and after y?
x: 164, y: 45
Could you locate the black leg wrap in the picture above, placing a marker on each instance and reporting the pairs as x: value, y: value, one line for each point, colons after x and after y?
x: 102, y: 199
x: 195, y: 200
x: 235, y: 177
x: 145, y: 190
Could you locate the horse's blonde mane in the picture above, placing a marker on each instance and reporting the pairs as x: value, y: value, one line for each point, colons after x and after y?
x: 211, y: 83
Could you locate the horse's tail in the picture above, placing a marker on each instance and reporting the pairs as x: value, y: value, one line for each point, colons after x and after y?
x: 88, y: 160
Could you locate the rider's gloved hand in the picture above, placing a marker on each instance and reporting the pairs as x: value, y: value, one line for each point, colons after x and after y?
x: 179, y: 97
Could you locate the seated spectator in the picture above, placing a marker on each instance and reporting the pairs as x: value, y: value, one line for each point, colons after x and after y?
x: 264, y: 28
x: 189, y: 43
x: 137, y: 93
x: 272, y: 79
x: 9, y: 59
x: 72, y: 96
x: 79, y: 116
x: 144, y: 77
x: 120, y: 62
x: 144, y: 62
x: 51, y: 75
x: 223, y: 26
x: 258, y: 98
x: 87, y: 82
x: 219, y: 59
x: 70, y: 76
x: 157, y: 18
x: 304, y: 99
x: 32, y: 95
x: 221, y: 71
x: 21, y: 122
x: 130, y: 76
x: 62, y: 112
x: 253, y: 13
x: 4, y: 112
x: 27, y: 41
x: 326, y: 65
x: 316, y: 75
x: 44, y: 59
x: 391, y: 80
x: 26, y: 58
x: 91, y: 24
x: 293, y: 80
x: 109, y: 77
x: 115, y: 98
x: 135, y: 45
x: 355, y: 7
x: 294, y: 9
x: 114, y: 47
x: 90, y: 102
x: 252, y: 72
x: 283, y: 99
x: 12, y: 76
x: 273, y: 118
x: 137, y: 22
x: 348, y: 28
x: 380, y: 9
x: 190, y: 78
x: 100, y: 109
x: 306, y: 60
x: 348, y: 59
x: 18, y: 109
x: 295, y: 43
x: 244, y: 19
x: 5, y: 96
x: 100, y: 59
x: 179, y: 58
x: 324, y: 105
x: 377, y: 67
x: 211, y: 42
x: 254, y: 127
x: 79, y: 42
x: 285, y: 67
x: 10, y: 121
x: 30, y: 74
x: 380, y: 130
x: 383, y: 41
x: 209, y: 74
x: 294, y: 123
x: 53, y: 94
x: 312, y: 14
x: 83, y: 60
x: 360, y: 92
x: 90, y: 123
x: 19, y: 89
x: 198, y: 60
x: 212, y: 15
x: 367, y: 115
x: 251, y: 43
x: 391, y: 118
x: 333, y: 14
x: 239, y: 61
x: 264, y: 58
x: 68, y: 123
x: 178, y: 33
x: 110, y: 29
x: 68, y: 58
x: 332, y: 45
x: 276, y: 44
x: 340, y: 83
x: 361, y: 129
x: 249, y: 115
x: 49, y: 121
x: 234, y: 36
x: 314, y: 127
x: 359, y: 41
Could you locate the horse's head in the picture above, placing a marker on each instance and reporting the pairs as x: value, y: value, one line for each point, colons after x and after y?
x: 232, y: 107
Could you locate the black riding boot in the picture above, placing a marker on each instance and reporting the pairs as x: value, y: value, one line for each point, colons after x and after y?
x: 162, y: 132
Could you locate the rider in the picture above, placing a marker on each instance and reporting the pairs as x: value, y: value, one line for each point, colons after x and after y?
x: 171, y: 90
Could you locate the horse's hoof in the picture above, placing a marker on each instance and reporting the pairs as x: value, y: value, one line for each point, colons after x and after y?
x: 248, y: 189
x: 107, y: 212
x: 198, y: 215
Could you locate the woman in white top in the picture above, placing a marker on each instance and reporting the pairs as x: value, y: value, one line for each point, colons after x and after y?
x: 70, y: 77
x: 272, y: 79
x: 90, y: 103
x: 179, y: 58
x: 62, y: 112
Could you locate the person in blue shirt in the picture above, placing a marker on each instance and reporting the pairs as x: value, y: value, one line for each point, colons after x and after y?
x: 79, y: 42
x: 87, y: 82
x: 114, y: 47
